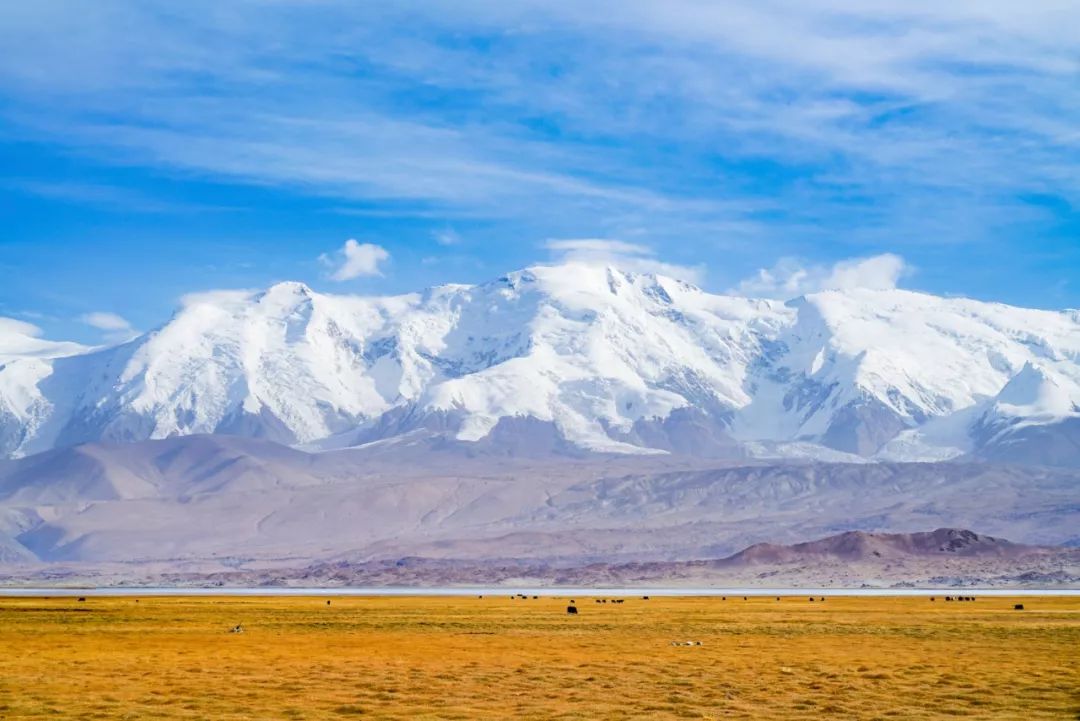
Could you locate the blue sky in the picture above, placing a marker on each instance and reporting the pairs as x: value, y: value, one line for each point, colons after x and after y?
x: 154, y: 149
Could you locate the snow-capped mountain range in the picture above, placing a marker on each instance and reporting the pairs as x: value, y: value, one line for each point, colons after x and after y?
x: 572, y: 358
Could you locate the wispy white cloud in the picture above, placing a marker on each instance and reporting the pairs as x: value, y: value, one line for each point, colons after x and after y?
x: 446, y: 237
x: 19, y: 338
x: 217, y: 297
x: 14, y: 326
x: 790, y: 277
x: 106, y: 321
x: 602, y: 247
x: 115, y: 328
x: 355, y: 260
x: 623, y: 255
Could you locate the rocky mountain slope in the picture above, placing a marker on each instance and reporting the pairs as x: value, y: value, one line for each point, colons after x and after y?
x: 943, y: 558
x: 216, y: 500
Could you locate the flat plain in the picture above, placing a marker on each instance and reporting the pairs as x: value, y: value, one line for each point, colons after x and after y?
x: 497, y: 658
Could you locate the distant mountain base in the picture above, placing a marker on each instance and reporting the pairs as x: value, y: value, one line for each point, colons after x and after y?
x: 215, y: 503
x: 945, y: 558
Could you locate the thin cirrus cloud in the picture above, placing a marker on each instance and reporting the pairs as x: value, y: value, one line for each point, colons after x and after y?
x: 743, y: 131
x: 853, y: 100
x: 355, y: 260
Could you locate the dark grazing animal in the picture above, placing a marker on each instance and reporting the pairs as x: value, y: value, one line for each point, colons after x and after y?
x: 1018, y: 607
x: 572, y: 610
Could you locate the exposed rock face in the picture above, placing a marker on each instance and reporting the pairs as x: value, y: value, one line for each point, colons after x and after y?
x: 863, y: 427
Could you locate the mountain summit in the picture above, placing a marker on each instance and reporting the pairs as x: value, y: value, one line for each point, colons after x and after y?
x: 571, y: 358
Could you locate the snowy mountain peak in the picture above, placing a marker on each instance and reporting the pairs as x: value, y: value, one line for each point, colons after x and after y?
x: 284, y: 293
x: 571, y: 279
x: 1039, y: 392
x: 584, y: 355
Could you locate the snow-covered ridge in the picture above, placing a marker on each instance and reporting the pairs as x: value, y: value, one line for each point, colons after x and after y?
x: 574, y: 356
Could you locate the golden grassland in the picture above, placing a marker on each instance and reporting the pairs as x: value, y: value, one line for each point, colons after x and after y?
x: 496, y: 658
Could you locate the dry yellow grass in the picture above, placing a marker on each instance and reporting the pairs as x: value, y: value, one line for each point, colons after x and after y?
x: 466, y: 658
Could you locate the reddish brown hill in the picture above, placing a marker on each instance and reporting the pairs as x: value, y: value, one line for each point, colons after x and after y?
x: 861, y: 546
